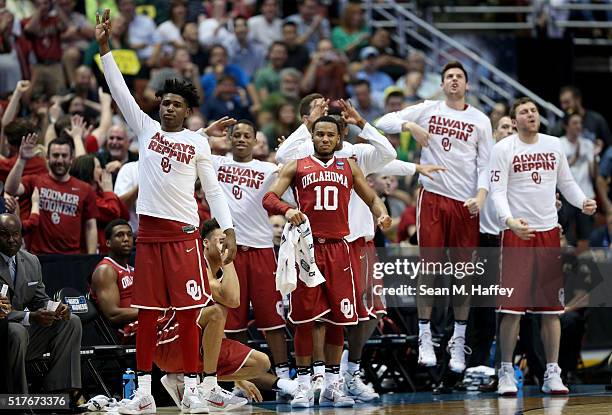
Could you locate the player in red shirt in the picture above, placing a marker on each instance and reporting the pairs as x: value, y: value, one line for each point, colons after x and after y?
x: 66, y: 204
x: 322, y: 186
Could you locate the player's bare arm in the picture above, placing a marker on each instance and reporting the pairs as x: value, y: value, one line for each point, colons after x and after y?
x: 376, y: 205
x: 419, y: 133
x: 104, y: 284
x: 272, y: 201
x: 428, y: 170
x: 474, y: 204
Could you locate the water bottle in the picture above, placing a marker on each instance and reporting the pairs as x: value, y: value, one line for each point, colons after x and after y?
x: 518, y: 375
x: 129, y: 383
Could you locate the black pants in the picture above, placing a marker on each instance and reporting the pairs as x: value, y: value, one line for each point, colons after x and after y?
x: 4, y: 354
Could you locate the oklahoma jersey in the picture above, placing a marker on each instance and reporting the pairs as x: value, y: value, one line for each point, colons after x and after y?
x: 524, y: 178
x: 322, y: 192
x: 244, y: 186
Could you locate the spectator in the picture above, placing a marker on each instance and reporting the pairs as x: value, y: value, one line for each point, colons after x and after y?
x: 267, y: 80
x: 278, y: 224
x: 430, y: 85
x: 261, y: 150
x: 594, y: 125
x: 327, y: 73
x: 364, y: 104
x: 299, y: 55
x: 266, y: 27
x: 118, y: 40
x: 285, y: 122
x: 182, y: 68
x: 352, y: 32
x: 141, y: 33
x: 88, y: 169
x: 10, y: 69
x: 603, y: 181
x: 75, y: 39
x: 116, y: 152
x: 44, y: 30
x: 33, y: 329
x: 195, y: 121
x: 499, y: 110
x: 413, y: 81
x: 406, y: 147
x: 126, y: 187
x: 289, y: 90
x: 199, y: 55
x: 580, y: 156
x: 65, y: 202
x: 243, y: 51
x: 503, y: 128
x: 388, y: 59
x: 228, y: 100
x: 84, y: 84
x: 15, y: 131
x: 218, y: 65
x: 312, y: 26
x: 217, y: 28
x: 14, y: 107
x: 169, y: 32
x: 378, y: 80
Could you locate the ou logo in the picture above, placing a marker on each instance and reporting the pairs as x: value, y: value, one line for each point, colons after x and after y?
x: 165, y: 164
x: 194, y: 290
x: 446, y: 144
x: 237, y: 192
x: 535, y: 176
x: 346, y: 308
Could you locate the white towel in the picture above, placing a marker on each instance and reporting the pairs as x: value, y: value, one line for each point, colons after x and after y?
x: 296, y: 246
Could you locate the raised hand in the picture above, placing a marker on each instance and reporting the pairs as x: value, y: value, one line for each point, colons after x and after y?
x: 28, y: 149
x: 104, y: 98
x: 319, y: 109
x: 23, y: 86
x: 106, y: 181
x: 77, y: 127
x: 103, y: 27
x: 218, y: 127
x: 35, y: 197
x: 350, y: 114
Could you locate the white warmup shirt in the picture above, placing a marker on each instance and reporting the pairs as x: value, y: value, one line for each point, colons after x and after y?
x: 461, y: 141
x: 371, y: 158
x: 581, y: 169
x: 169, y: 162
x: 244, y: 186
x: 127, y: 179
x: 524, y: 178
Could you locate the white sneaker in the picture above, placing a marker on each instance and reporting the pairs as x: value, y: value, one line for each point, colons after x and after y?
x: 192, y: 403
x: 458, y: 350
x: 318, y: 384
x: 286, y: 396
x: 218, y: 399
x: 506, y: 385
x: 553, y: 384
x: 427, y: 356
x: 140, y: 404
x: 174, y: 387
x: 304, y: 397
x: 356, y: 389
x: 334, y: 395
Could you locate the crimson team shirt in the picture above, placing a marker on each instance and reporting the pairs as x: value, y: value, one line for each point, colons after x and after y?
x: 524, y: 178
x: 64, y: 209
x: 322, y: 192
x: 244, y: 186
x: 36, y: 165
x: 461, y: 141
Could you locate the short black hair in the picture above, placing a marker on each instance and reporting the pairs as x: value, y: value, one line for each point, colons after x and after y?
x: 289, y: 23
x: 278, y: 43
x: 327, y: 118
x: 243, y: 121
x: 17, y: 129
x: 108, y: 229
x: 183, y: 88
x: 226, y: 77
x: 60, y: 142
x: 208, y: 227
x: 358, y: 82
x: 568, y: 116
x: 306, y: 101
x: 398, y: 94
x: 62, y: 122
x: 451, y: 65
x: 576, y: 93
x: 83, y: 168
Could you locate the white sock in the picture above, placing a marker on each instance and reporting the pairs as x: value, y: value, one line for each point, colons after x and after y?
x: 352, y: 367
x: 144, y: 384
x: 209, y: 382
x: 191, y: 384
x: 459, y: 330
x: 303, y: 379
x: 551, y: 366
x: 282, y: 372
x: 286, y: 385
x: 318, y: 370
x: 424, y: 328
x: 330, y: 378
x: 507, y: 366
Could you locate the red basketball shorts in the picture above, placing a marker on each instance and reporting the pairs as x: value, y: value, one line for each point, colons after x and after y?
x: 169, y: 354
x: 376, y: 299
x: 534, y: 270
x: 334, y: 300
x: 256, y: 269
x: 170, y: 269
x: 363, y: 257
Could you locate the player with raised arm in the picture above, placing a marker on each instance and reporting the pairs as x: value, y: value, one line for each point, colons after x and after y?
x: 170, y: 270
x: 322, y: 186
x: 457, y: 136
x: 525, y: 171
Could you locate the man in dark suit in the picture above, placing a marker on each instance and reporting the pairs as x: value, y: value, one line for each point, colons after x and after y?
x: 5, y: 308
x: 36, y: 331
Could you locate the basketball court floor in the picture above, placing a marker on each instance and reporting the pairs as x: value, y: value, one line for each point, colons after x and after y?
x: 583, y: 400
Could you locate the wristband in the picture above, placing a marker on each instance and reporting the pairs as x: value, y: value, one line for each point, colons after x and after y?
x: 274, y: 205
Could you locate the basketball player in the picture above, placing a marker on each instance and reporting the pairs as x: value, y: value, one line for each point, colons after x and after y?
x: 322, y: 187
x: 457, y: 136
x: 371, y: 156
x: 245, y: 181
x: 169, y: 262
x: 526, y: 168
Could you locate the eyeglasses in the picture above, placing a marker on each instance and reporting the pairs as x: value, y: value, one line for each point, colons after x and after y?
x: 116, y: 137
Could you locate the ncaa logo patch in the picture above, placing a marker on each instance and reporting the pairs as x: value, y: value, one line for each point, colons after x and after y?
x: 346, y: 308
x: 193, y: 290
x: 340, y: 165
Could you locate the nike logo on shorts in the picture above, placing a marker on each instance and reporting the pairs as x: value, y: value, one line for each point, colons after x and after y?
x: 189, y: 250
x: 347, y: 268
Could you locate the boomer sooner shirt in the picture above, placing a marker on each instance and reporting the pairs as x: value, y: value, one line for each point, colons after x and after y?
x: 245, y: 185
x: 461, y: 141
x: 524, y: 178
x: 169, y: 162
